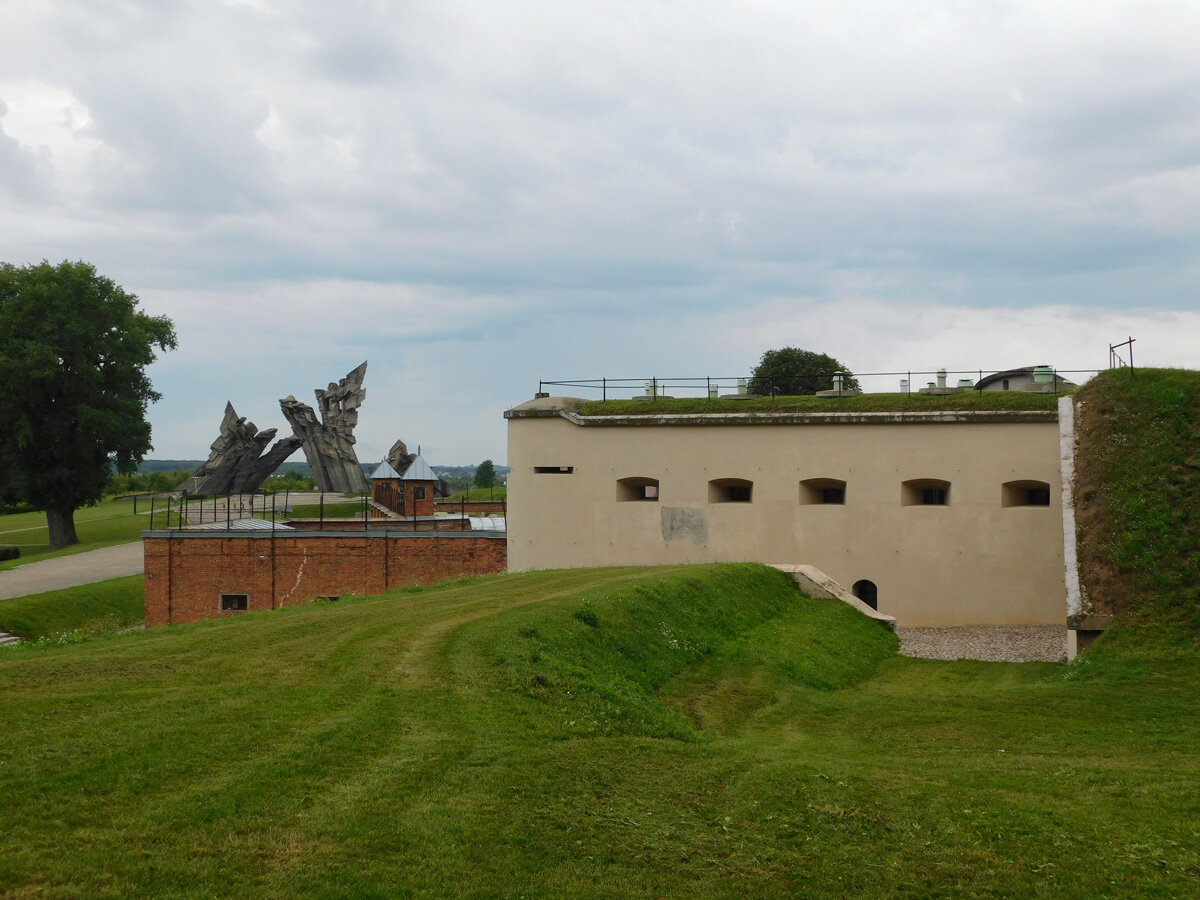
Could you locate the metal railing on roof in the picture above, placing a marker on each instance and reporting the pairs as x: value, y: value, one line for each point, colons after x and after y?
x: 654, y: 386
x: 262, y: 511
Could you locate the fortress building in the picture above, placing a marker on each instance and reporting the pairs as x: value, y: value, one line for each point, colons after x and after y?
x: 932, y: 517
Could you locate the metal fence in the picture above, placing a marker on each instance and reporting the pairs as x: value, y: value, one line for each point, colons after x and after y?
x: 712, y: 387
x: 262, y: 511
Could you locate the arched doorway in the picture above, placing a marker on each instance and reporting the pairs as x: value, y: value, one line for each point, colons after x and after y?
x: 867, y: 592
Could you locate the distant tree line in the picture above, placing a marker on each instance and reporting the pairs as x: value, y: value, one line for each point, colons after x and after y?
x: 148, y: 483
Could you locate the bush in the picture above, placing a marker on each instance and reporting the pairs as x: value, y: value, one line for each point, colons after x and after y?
x: 9, y: 553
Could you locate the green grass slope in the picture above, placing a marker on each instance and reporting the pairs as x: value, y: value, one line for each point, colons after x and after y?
x: 84, y: 611
x: 691, y: 732
x: 1138, y: 505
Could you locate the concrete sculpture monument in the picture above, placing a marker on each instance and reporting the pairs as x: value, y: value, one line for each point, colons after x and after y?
x: 329, y: 443
x: 237, y: 464
x: 399, y: 458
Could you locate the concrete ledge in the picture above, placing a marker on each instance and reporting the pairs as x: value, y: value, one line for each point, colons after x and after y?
x: 816, y: 583
x: 293, y: 535
x: 932, y: 417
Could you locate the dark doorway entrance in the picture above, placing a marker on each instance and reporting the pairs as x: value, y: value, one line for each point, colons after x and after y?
x: 867, y: 592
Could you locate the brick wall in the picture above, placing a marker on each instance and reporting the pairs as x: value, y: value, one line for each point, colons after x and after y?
x: 429, y: 523
x: 472, y: 507
x: 186, y: 574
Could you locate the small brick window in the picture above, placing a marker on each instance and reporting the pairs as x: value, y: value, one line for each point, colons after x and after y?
x: 235, y: 602
x: 419, y: 492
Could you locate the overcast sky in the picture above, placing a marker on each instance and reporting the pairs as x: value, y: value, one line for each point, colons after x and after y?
x: 477, y: 196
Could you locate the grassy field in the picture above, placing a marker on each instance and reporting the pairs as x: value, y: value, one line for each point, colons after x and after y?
x: 87, y: 611
x: 696, y: 732
x: 968, y: 400
x: 333, y: 510
x: 107, y: 523
x: 499, y: 492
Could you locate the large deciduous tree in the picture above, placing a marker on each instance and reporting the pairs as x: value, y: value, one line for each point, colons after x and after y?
x: 73, y: 386
x: 792, y: 371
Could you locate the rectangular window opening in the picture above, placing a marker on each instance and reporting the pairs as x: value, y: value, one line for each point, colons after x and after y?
x: 235, y: 602
x: 730, y: 490
x: 833, y: 495
x: 553, y: 470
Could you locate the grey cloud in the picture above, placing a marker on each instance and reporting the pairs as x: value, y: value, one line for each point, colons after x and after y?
x: 619, y: 169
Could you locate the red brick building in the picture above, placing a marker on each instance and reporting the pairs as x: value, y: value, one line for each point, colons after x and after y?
x: 198, y: 575
x: 410, y: 493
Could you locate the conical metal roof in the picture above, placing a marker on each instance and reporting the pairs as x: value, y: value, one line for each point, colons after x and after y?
x: 384, y: 471
x: 418, y: 470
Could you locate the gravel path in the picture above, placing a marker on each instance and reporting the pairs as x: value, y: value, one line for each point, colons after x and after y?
x: 995, y: 643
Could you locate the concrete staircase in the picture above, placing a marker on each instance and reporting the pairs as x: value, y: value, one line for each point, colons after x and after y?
x: 6, y: 639
x: 815, y: 583
x: 387, y: 513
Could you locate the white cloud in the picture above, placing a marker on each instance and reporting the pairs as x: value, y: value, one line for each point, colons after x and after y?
x: 55, y: 129
x: 475, y: 196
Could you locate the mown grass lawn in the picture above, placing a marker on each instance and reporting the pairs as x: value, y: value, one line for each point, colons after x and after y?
x: 107, y: 523
x: 499, y: 492
x: 622, y: 732
x: 333, y: 510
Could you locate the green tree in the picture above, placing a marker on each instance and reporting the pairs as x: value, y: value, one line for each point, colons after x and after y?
x: 485, y: 475
x: 792, y: 372
x: 73, y: 353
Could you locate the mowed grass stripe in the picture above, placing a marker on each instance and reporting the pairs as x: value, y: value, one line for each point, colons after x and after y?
x: 713, y: 733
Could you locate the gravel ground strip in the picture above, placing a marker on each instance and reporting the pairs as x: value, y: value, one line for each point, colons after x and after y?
x: 993, y: 643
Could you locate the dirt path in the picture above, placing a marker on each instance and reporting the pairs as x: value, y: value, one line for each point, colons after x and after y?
x: 69, y: 571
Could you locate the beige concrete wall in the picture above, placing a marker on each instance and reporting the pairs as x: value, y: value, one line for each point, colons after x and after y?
x: 972, y: 561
